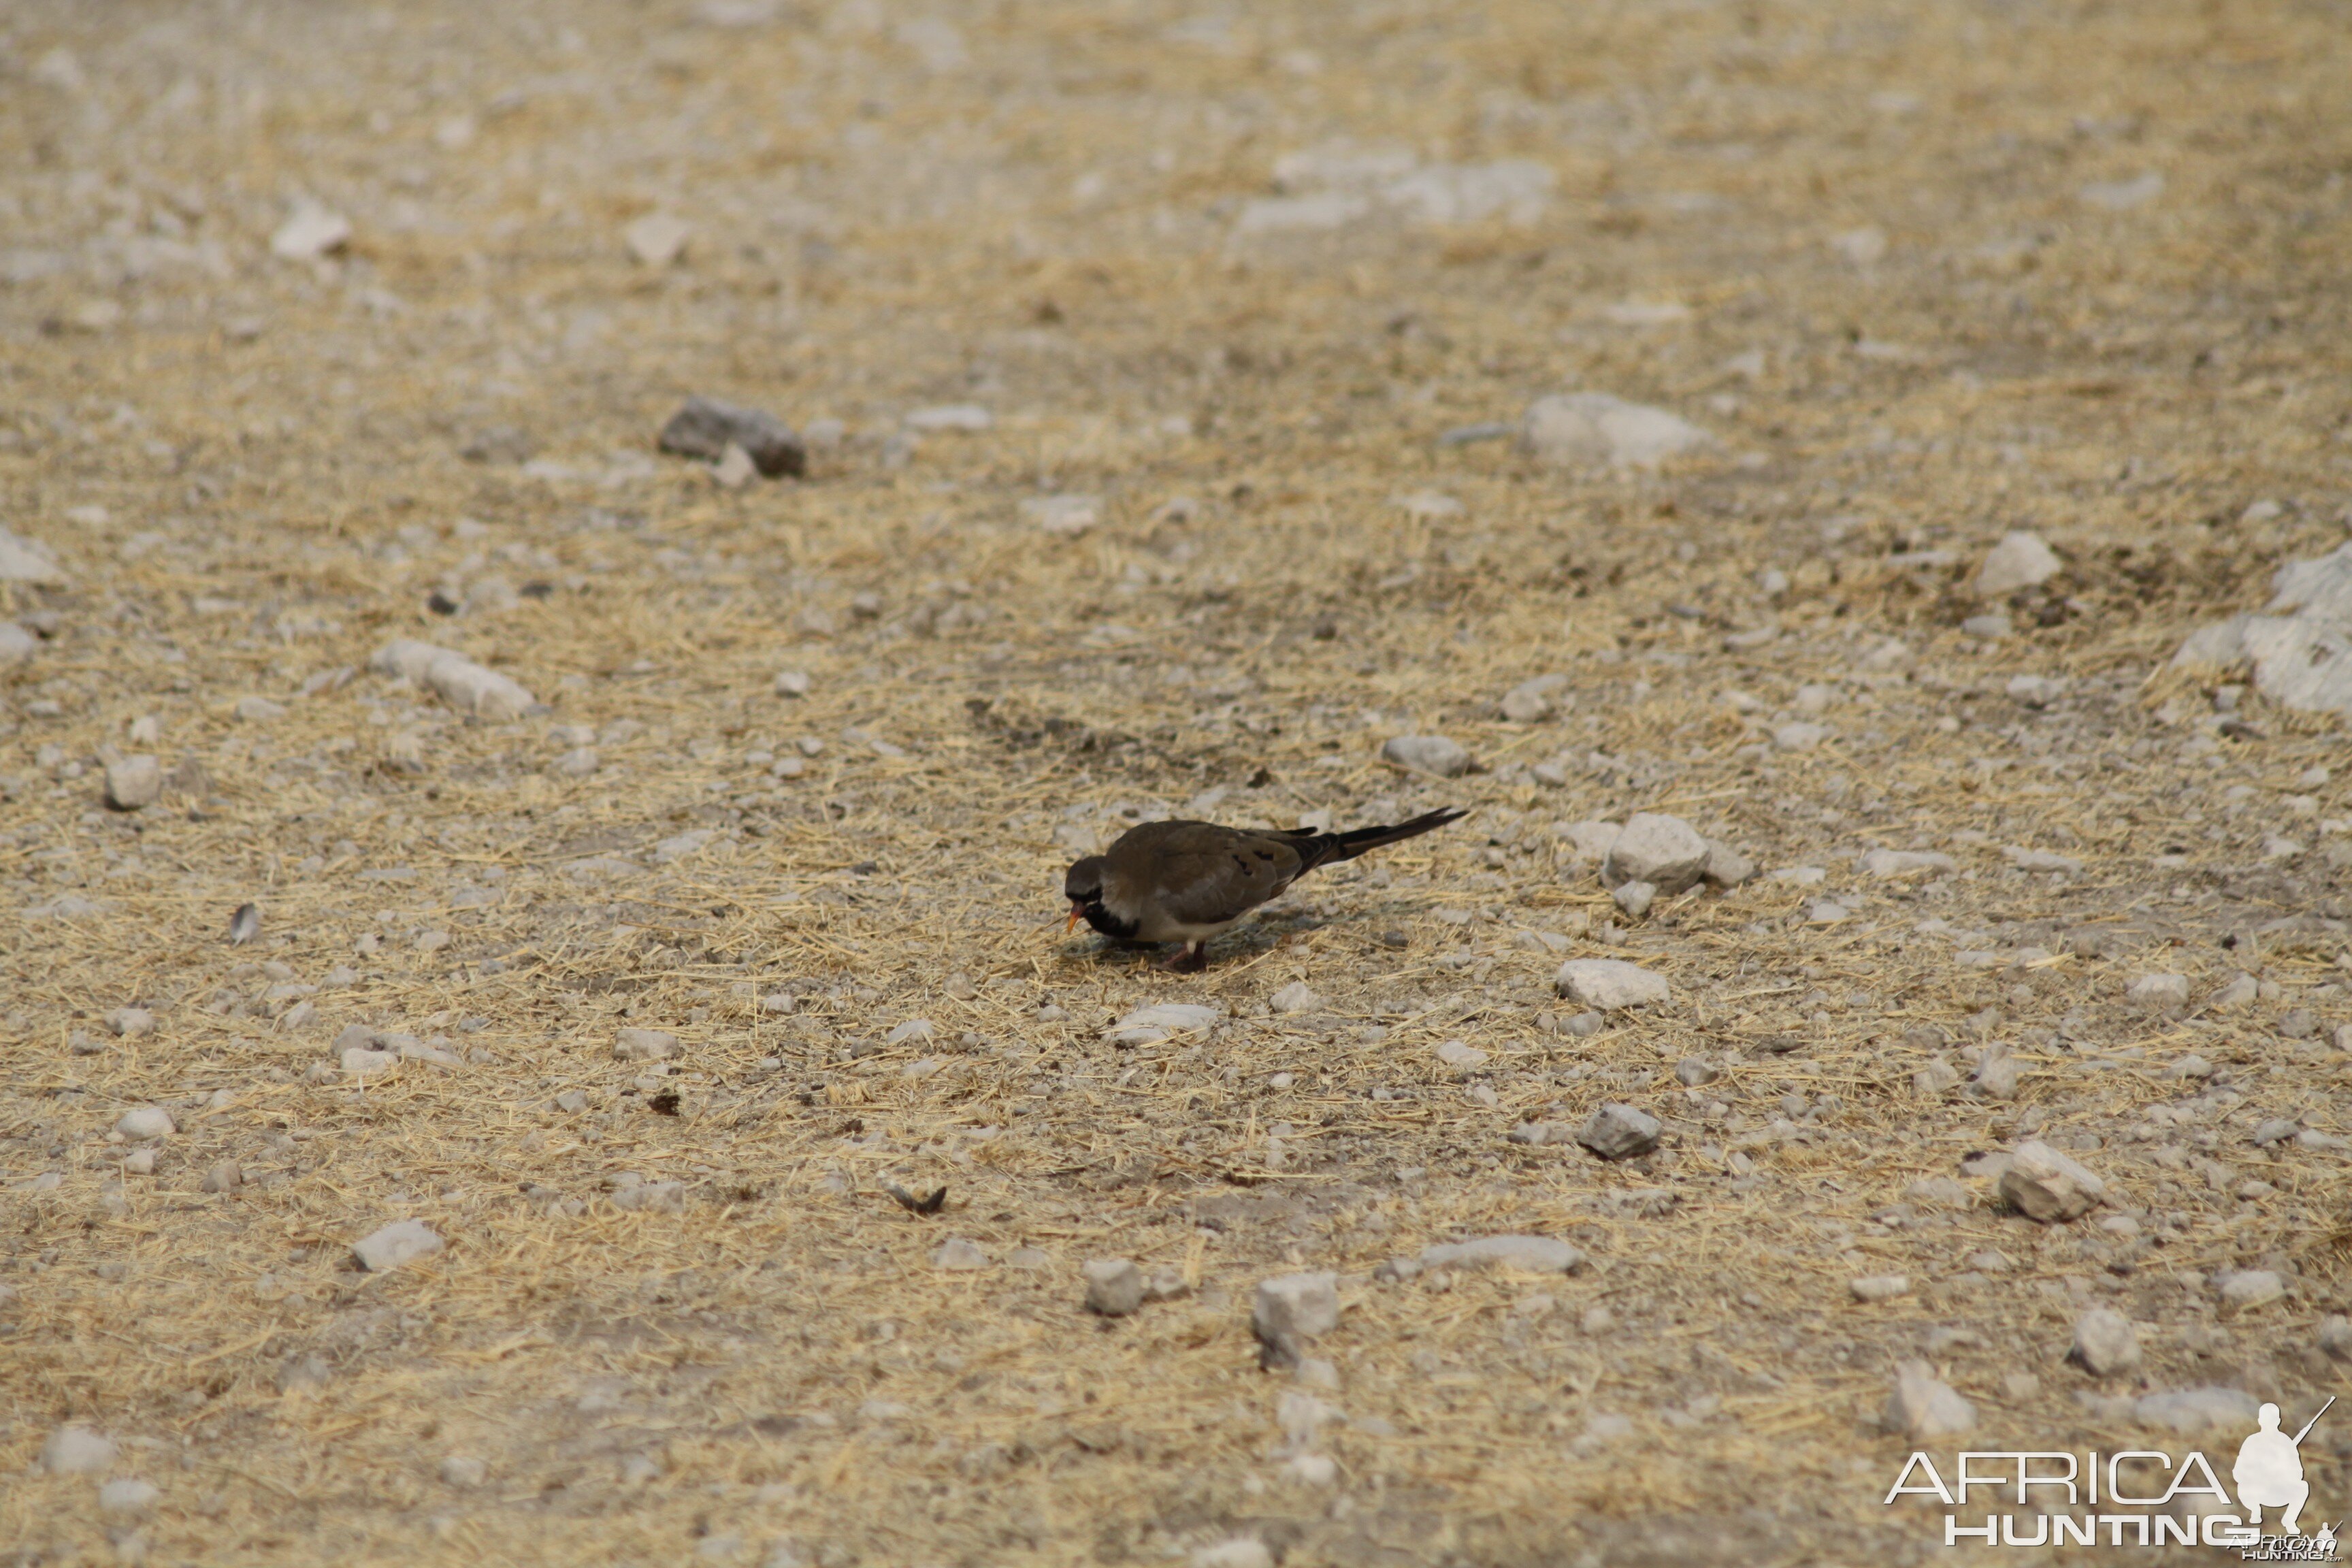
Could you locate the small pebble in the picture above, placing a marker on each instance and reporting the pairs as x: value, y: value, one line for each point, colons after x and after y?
x: 957, y: 1255
x: 1621, y: 1132
x: 1114, y: 1286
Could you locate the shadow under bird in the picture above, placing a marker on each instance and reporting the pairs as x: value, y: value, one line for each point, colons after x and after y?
x: 1188, y: 881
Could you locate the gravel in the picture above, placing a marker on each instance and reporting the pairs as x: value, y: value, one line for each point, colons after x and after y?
x: 643, y: 1045
x: 1289, y: 1310
x: 1621, y: 1132
x: 1922, y: 1407
x: 1664, y: 851
x: 401, y: 1242
x: 705, y: 428
x: 1432, y: 755
x: 1609, y: 985
x: 1114, y: 1286
x: 135, y: 783
x: 75, y: 1450
x: 2105, y: 1344
x: 1534, y: 1254
x: 142, y: 1123
x: 2045, y: 1185
x: 1592, y: 429
x: 2020, y: 561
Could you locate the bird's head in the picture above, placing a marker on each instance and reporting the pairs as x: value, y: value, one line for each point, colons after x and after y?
x: 1082, y: 885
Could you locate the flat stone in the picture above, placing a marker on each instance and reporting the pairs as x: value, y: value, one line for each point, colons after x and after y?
x: 128, y: 1497
x: 225, y: 1176
x: 16, y: 644
x: 1456, y: 1054
x: 1879, y: 1287
x: 1590, y: 841
x: 465, y: 686
x: 1799, y: 736
x: 74, y: 1450
x: 1664, y: 851
x: 1148, y: 1025
x: 1891, y: 864
x: 2240, y: 993
x: 135, y: 783
x: 1534, y: 1254
x: 1608, y: 984
x: 1236, y: 1552
x: 967, y: 419
x: 657, y: 239
x: 463, y: 1471
x: 2249, y: 1287
x: 401, y: 1242
x: 2020, y: 561
x: 1633, y: 899
x: 2105, y: 1344
x: 22, y: 562
x: 1114, y: 1286
x: 1727, y: 866
x: 957, y: 1255
x: 1432, y: 755
x: 1296, y: 997
x: 2159, y: 991
x: 637, y: 1195
x: 1289, y: 1310
x: 1692, y: 1072
x: 1923, y: 1407
x: 643, y: 1045
x: 1532, y: 700
x: 705, y: 428
x: 1621, y: 1132
x: 1592, y: 429
x: 130, y: 1022
x: 2190, y: 1411
x: 143, y: 1124
x: 2045, y: 1185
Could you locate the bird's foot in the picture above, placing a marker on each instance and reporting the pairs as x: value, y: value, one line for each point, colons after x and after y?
x: 1189, y: 959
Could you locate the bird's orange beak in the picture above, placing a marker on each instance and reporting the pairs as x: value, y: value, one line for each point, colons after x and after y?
x: 1077, y: 912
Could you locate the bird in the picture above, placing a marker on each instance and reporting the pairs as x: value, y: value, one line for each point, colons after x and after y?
x: 1187, y: 881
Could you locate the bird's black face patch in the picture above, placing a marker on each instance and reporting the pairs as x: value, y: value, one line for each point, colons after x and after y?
x: 1082, y: 883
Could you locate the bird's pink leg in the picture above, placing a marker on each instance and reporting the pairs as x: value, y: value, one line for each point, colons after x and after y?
x: 1189, y: 959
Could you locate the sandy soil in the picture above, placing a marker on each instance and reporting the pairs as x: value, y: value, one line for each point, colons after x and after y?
x: 1249, y: 303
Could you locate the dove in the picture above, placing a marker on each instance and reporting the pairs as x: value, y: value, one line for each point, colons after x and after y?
x: 1187, y: 881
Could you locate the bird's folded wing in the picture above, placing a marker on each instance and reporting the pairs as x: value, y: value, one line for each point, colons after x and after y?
x: 1210, y: 877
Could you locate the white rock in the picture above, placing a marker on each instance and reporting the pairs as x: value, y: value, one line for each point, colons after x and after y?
x: 1664, y: 851
x: 135, y: 783
x: 2044, y: 1184
x: 2240, y: 993
x: 77, y: 1451
x: 1532, y: 700
x: 1591, y: 840
x: 1455, y: 1054
x: 2189, y: 1411
x: 130, y: 1022
x: 1922, y: 1407
x: 1239, y: 1552
x: 637, y: 1195
x: 1534, y: 1254
x: 361, y: 1062
x: 1799, y: 736
x: 1068, y: 516
x: 401, y: 1242
x: 579, y: 763
x: 2105, y: 1344
x: 1147, y: 1026
x: 919, y: 1030
x: 1727, y: 866
x: 22, y: 562
x: 142, y: 1123
x: 463, y: 1471
x: 1879, y: 1287
x: 2159, y: 991
x: 1635, y: 897
x: 2251, y: 1287
x: 16, y: 644
x: 1610, y: 983
x: 260, y: 710
x: 643, y: 1045
x: 792, y: 683
x: 1621, y: 1132
x: 1295, y: 997
x: 1114, y: 1286
x: 967, y: 418
x: 657, y: 239
x: 1316, y: 213
x: 1432, y: 755
x: 2020, y: 561
x: 2040, y: 860
x: 1890, y: 864
x: 128, y: 1497
x: 957, y: 1255
x: 311, y: 232
x: 465, y: 686
x: 1291, y: 1309
x: 1589, y: 429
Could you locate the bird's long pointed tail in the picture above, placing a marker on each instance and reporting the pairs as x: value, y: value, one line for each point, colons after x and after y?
x: 1327, y: 848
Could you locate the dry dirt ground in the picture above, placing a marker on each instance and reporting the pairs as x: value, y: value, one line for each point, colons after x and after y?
x: 1231, y: 282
